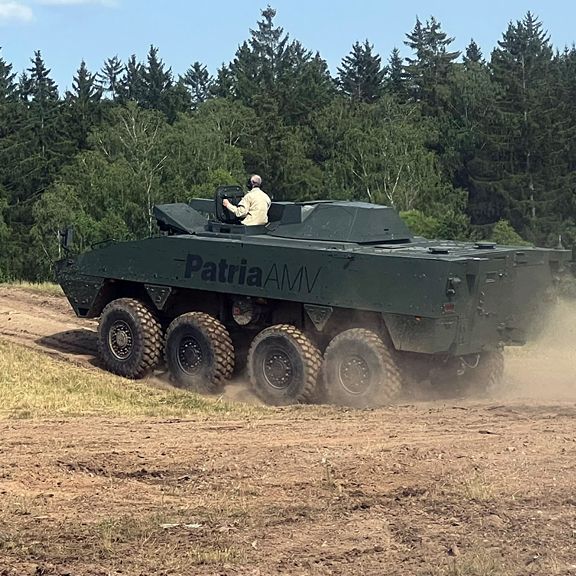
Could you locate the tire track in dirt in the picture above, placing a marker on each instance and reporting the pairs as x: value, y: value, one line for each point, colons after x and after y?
x: 46, y: 323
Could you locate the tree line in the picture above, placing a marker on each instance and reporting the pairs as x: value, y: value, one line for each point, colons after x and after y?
x: 465, y: 146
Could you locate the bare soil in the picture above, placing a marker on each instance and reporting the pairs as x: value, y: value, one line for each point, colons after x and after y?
x: 439, y: 487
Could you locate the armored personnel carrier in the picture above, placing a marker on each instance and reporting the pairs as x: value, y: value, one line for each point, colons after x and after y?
x: 335, y: 301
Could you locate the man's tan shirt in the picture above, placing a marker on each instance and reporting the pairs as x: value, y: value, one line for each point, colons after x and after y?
x: 253, y: 208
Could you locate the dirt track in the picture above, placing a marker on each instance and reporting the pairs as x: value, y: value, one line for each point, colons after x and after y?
x: 453, y: 487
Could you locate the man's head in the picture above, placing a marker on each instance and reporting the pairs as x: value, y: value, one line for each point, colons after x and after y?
x: 255, y: 181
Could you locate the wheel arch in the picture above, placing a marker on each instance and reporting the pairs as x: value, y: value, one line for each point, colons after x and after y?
x: 342, y: 319
x: 111, y: 290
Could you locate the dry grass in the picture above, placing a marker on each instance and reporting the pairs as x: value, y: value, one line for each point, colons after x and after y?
x: 475, y: 563
x: 34, y: 385
x: 118, y: 542
x: 149, y: 537
x: 47, y: 288
x: 477, y: 488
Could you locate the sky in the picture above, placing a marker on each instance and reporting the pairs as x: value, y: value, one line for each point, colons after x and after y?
x: 210, y: 31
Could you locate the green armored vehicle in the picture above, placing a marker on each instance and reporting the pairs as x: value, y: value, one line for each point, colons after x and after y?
x: 331, y: 301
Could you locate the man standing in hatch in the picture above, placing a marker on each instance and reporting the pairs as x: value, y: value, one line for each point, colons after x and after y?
x: 253, y: 208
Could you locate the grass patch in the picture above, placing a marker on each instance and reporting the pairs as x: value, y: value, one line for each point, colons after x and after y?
x: 477, y: 563
x: 35, y: 385
x: 148, y: 537
x: 139, y: 543
x: 46, y: 288
x: 477, y: 488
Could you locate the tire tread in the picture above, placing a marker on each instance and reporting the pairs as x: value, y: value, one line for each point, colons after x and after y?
x: 311, y: 357
x: 392, y: 385
x: 221, y: 341
x: 151, y: 338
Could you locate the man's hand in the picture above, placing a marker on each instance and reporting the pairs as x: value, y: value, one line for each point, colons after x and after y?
x: 225, y: 203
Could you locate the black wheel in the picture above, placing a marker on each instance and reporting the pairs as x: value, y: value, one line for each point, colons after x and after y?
x: 129, y: 338
x: 359, y: 370
x: 199, y: 352
x: 283, y: 365
x: 487, y: 376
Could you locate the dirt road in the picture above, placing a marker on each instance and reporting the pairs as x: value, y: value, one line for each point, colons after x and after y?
x: 47, y: 323
x: 430, y: 488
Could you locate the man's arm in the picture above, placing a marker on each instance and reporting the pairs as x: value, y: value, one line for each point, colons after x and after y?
x: 239, y: 211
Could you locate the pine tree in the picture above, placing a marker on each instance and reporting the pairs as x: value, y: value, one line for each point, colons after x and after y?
x: 156, y: 82
x: 9, y: 109
x: 10, y: 114
x: 471, y: 105
x: 361, y: 76
x: 395, y: 80
x: 8, y: 91
x: 43, y: 104
x: 304, y: 86
x: 224, y: 85
x: 429, y: 76
x: 39, y: 87
x: 42, y: 127
x: 271, y: 75
x: 85, y: 87
x: 83, y: 109
x: 131, y: 87
x: 41, y: 148
x: 472, y: 55
x: 110, y: 76
x: 177, y: 100
x: 518, y: 164
x: 563, y: 197
x: 199, y: 83
x: 260, y: 62
x: 429, y: 70
x: 269, y: 44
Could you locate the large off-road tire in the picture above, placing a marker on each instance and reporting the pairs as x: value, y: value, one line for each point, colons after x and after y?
x: 284, y: 365
x: 487, y: 378
x: 359, y: 370
x: 199, y: 352
x: 129, y: 338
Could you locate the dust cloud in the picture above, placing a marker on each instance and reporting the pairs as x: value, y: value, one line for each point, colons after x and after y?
x: 545, y: 368
x: 237, y: 390
x: 240, y: 390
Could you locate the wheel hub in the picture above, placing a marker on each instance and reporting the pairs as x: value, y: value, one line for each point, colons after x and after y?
x: 190, y: 355
x: 278, y: 369
x: 354, y: 374
x: 121, y: 340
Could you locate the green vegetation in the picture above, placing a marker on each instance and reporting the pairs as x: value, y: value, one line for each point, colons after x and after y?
x: 47, y: 288
x: 35, y: 385
x: 467, y: 147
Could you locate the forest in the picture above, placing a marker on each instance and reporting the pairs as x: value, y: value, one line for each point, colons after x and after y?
x: 464, y: 145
